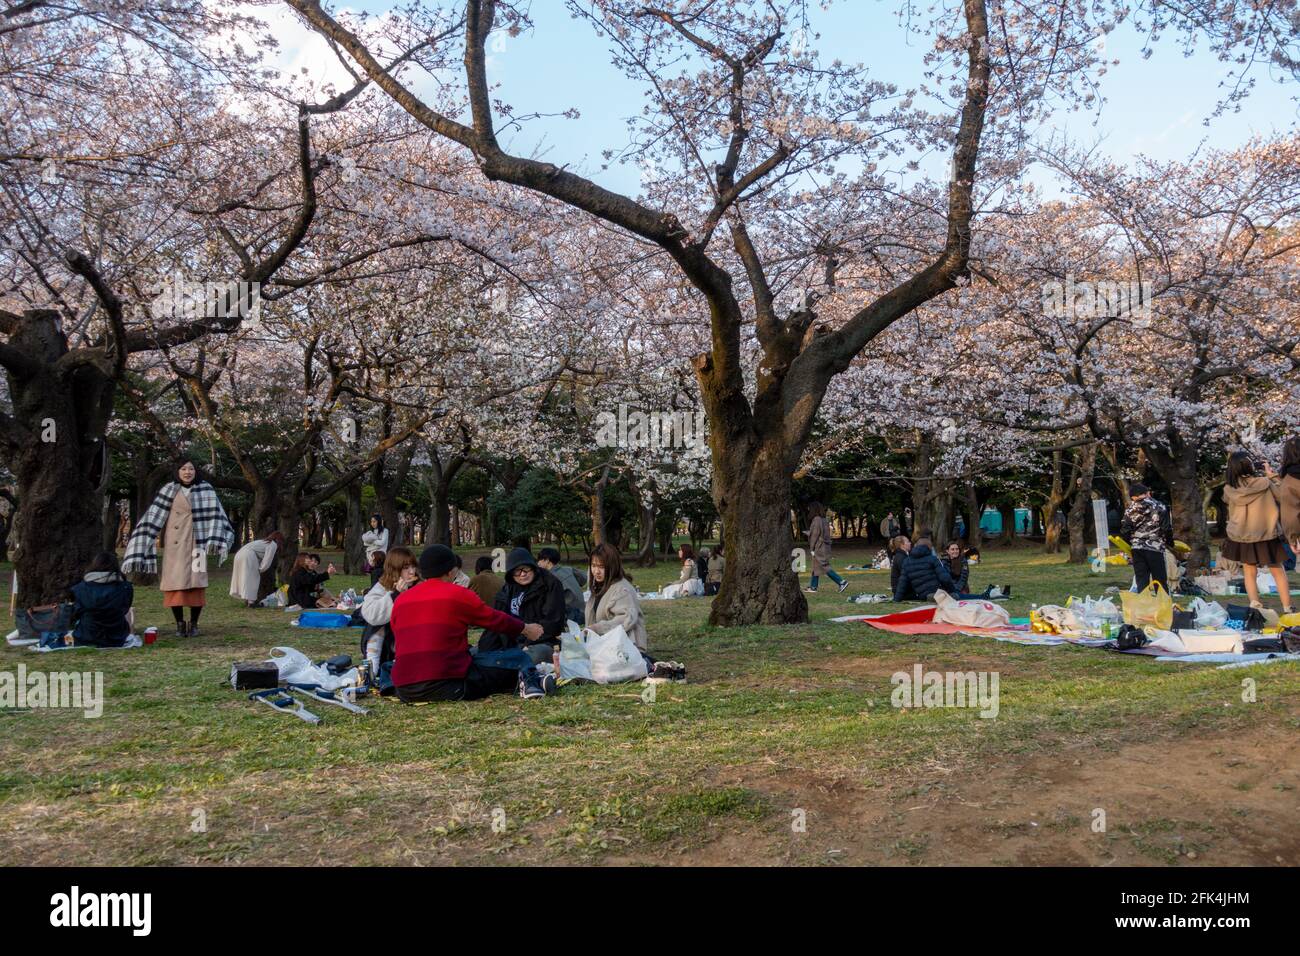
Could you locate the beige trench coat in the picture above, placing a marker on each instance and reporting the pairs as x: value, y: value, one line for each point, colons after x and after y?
x: 178, y: 560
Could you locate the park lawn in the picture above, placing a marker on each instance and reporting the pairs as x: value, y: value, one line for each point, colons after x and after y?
x: 782, y: 748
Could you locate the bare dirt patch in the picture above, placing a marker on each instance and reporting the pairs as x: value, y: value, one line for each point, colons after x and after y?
x: 1218, y: 801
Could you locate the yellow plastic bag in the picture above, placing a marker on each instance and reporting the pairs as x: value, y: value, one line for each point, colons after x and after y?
x: 1152, y: 606
x: 1290, y: 620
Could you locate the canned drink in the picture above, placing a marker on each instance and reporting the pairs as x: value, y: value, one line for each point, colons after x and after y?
x: 150, y: 635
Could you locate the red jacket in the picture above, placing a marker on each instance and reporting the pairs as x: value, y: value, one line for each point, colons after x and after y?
x: 429, y: 625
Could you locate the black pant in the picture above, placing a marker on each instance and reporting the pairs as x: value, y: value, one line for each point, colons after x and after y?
x: 1149, y: 566
x: 477, y: 683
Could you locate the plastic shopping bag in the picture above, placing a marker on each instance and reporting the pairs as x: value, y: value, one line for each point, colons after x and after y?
x: 295, y: 667
x: 1209, y: 614
x: 574, y: 662
x: 614, y: 658
x: 1152, y: 606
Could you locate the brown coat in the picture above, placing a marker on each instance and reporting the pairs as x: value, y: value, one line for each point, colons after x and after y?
x: 178, y: 558
x: 1253, y: 512
x: 487, y: 586
x: 1288, y: 496
x: 819, y: 544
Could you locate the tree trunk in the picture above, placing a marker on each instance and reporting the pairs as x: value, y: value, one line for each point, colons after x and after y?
x: 645, y: 504
x: 54, y: 443
x: 1080, y: 504
x: 974, y: 512
x: 354, y: 550
x: 752, y: 494
x: 1178, y: 467
x: 1008, y: 513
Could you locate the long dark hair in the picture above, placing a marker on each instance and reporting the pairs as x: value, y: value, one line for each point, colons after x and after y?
x: 1240, y: 466
x: 1291, y: 455
x: 378, y: 518
x: 816, y: 510
x: 275, y: 536
x: 612, y: 562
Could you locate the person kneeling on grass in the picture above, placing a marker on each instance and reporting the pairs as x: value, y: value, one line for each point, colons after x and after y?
x: 101, y: 615
x: 922, y: 573
x: 533, y: 595
x: 430, y: 624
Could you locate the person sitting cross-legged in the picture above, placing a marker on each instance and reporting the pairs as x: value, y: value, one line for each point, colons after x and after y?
x: 430, y: 623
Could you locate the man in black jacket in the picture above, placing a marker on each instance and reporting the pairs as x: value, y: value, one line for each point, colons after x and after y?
x: 923, y: 573
x: 535, y: 596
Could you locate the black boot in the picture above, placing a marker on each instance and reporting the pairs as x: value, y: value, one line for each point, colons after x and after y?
x: 180, y: 629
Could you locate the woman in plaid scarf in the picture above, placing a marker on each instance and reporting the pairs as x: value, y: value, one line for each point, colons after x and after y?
x: 187, y: 519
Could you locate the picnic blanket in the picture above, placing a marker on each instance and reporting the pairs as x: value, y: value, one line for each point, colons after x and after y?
x: 920, y: 620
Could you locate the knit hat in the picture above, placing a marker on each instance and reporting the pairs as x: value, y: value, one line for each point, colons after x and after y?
x: 436, y: 560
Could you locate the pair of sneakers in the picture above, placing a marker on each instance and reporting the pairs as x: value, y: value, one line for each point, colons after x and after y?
x: 665, y: 672
x: 842, y: 586
x: 533, y: 683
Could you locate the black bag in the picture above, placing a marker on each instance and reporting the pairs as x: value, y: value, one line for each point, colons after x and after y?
x: 1130, y: 638
x: 1291, y: 640
x: 1183, y: 621
x: 1243, y: 617
x: 254, y: 675
x: 36, y: 622
x: 1263, y: 645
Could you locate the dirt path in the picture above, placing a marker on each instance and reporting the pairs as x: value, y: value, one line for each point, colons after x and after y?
x: 1217, y: 801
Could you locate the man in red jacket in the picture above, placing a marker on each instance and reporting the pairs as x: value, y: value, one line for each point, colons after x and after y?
x: 430, y: 623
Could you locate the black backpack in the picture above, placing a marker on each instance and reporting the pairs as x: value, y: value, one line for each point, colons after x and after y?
x: 1130, y: 638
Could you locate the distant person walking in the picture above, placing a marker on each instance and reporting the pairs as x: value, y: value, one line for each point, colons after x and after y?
x: 890, y: 528
x: 819, y: 546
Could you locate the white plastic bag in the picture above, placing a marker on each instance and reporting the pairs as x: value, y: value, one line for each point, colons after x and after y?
x: 613, y: 657
x: 1209, y: 614
x: 574, y: 662
x: 1195, y: 642
x: 295, y: 667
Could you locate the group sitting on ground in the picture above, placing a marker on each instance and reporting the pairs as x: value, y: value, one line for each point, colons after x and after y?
x: 916, y: 572
x: 418, y: 623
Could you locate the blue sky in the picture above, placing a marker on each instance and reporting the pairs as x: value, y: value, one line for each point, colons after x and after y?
x: 1156, y: 106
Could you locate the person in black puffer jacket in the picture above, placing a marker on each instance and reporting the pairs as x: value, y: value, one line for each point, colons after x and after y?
x: 923, y: 574
x: 102, y: 605
x: 535, y: 596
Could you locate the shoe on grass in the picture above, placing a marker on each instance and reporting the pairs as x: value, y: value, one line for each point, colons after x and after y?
x: 843, y: 585
x: 531, y: 685
x: 810, y: 590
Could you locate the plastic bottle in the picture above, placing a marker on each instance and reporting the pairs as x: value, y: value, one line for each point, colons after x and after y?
x: 555, y: 660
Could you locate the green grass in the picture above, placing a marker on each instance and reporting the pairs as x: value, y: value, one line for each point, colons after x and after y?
x: 593, y: 772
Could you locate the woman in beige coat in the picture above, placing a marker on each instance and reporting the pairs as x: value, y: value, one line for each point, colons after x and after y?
x: 1288, y: 491
x: 187, y: 520
x: 613, y: 600
x: 1254, y: 519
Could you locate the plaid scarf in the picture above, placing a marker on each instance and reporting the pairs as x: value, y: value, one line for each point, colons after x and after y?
x: 212, y: 529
